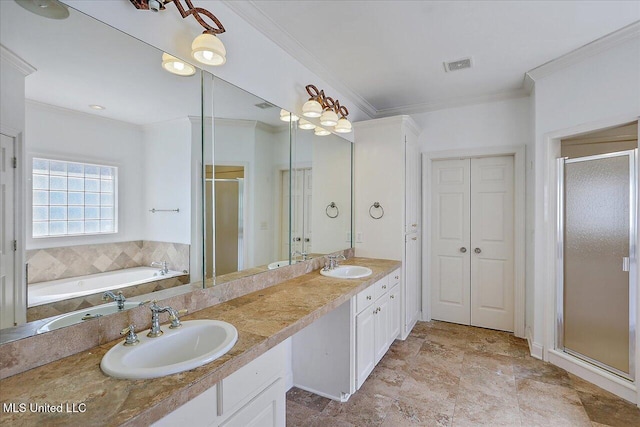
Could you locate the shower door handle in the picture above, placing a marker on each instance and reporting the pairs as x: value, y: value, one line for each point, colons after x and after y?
x: 626, y: 263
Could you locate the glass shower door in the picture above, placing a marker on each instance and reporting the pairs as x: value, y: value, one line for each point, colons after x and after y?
x: 596, y: 308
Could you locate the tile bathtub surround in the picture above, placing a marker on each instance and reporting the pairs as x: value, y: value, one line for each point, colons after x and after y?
x: 264, y: 319
x: 19, y: 355
x: 72, y: 261
x: 452, y: 375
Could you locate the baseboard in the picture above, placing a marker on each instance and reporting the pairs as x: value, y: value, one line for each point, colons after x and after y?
x: 536, y: 350
x: 603, y: 379
x: 343, y: 398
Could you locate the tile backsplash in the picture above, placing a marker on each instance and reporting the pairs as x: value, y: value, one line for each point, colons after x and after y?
x: 71, y: 261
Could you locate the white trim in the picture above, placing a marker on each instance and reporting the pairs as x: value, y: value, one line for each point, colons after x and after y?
x: 606, y: 42
x: 603, y: 379
x: 535, y: 349
x: 551, y: 144
x: 18, y: 63
x: 518, y: 153
x: 386, y: 121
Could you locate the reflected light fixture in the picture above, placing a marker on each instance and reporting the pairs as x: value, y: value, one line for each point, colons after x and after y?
x: 321, y: 131
x: 177, y: 66
x: 330, y: 111
x: 51, y: 9
x: 306, y: 125
x: 343, y: 126
x: 206, y: 48
x: 329, y: 118
x: 286, y: 116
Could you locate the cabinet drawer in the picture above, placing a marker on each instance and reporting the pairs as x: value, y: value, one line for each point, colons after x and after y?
x: 394, y: 278
x: 241, y: 386
x: 365, y: 298
x: 381, y: 287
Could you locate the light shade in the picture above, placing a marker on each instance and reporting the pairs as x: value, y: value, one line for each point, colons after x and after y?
x: 343, y: 126
x: 286, y: 116
x: 329, y: 118
x: 321, y: 131
x: 306, y: 125
x: 312, y: 108
x: 176, y: 66
x: 208, y: 49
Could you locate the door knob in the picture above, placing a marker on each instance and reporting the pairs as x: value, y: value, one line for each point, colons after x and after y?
x: 463, y: 249
x: 477, y: 250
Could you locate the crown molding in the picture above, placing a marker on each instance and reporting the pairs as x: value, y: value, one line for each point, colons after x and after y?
x: 248, y: 11
x: 454, y: 102
x: 397, y: 120
x: 606, y: 42
x: 18, y: 63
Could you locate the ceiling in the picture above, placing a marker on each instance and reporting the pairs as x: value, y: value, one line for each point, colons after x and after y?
x: 388, y: 55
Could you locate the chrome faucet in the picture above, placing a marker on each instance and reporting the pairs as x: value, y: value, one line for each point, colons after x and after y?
x: 119, y: 298
x: 333, y: 262
x: 304, y: 255
x: 155, y: 318
x: 164, y: 267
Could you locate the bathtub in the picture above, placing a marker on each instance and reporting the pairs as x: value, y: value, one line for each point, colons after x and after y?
x: 62, y: 289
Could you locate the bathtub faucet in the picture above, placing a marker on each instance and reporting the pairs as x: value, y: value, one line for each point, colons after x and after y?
x: 155, y: 330
x: 164, y: 267
x: 119, y: 298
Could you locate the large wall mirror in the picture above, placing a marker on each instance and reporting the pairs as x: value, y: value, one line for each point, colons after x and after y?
x: 110, y: 142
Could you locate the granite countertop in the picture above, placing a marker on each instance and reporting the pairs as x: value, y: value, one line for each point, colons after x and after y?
x: 87, y: 397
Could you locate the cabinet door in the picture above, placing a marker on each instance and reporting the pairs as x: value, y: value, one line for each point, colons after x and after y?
x: 266, y: 410
x: 412, y: 187
x: 365, y: 344
x: 381, y: 326
x: 394, y: 314
x: 412, y: 282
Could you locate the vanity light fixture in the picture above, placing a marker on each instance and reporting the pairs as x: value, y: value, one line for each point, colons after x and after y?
x: 321, y: 131
x: 306, y: 125
x: 286, y: 116
x: 330, y: 111
x: 177, y: 66
x: 206, y: 48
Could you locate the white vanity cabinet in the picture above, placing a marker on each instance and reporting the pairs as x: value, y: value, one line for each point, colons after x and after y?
x: 254, y: 395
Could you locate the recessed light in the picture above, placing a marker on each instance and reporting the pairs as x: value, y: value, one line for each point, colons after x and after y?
x: 97, y: 107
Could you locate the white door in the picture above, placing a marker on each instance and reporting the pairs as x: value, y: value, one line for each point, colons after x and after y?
x: 7, y: 234
x: 472, y: 260
x: 450, y: 232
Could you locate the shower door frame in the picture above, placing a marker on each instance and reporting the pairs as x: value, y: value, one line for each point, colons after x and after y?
x: 560, y: 229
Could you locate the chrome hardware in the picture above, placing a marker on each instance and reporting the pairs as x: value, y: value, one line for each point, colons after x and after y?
x: 414, y: 225
x: 414, y: 238
x: 304, y: 255
x: 119, y: 298
x: 392, y: 296
x: 132, y: 338
x: 477, y: 250
x: 164, y: 267
x: 332, y: 205
x: 463, y: 249
x: 333, y: 262
x: 296, y: 239
x: 384, y: 286
x: 397, y: 277
x: 369, y: 297
x: 626, y: 263
x: 90, y: 316
x: 174, y: 314
x: 376, y: 205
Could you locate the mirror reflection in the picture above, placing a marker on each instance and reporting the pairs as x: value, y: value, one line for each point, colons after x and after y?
x: 109, y: 138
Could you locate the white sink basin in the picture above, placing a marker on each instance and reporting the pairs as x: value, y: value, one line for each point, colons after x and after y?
x: 195, y: 343
x: 279, y: 264
x: 348, y: 272
x: 84, y: 315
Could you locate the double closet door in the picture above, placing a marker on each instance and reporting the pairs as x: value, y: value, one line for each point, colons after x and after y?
x: 472, y: 242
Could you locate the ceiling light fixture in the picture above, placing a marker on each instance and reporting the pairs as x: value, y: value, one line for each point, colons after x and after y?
x: 306, y: 125
x: 330, y: 111
x: 177, y: 66
x: 206, y: 48
x: 321, y: 131
x: 286, y: 116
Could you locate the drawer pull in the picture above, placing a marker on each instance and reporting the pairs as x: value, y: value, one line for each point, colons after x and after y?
x: 384, y: 286
x: 369, y: 297
x: 393, y: 296
x: 397, y: 277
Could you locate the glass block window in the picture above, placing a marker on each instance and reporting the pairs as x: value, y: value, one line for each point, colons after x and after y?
x: 73, y: 198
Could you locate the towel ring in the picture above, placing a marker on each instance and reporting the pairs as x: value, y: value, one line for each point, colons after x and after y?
x: 332, y: 205
x: 376, y: 205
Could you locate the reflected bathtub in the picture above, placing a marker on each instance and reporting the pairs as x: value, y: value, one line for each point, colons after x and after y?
x: 62, y: 289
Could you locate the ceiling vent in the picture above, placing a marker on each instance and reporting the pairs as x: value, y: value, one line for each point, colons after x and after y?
x: 264, y: 105
x: 460, y: 64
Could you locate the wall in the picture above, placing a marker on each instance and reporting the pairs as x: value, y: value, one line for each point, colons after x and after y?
x: 58, y: 133
x: 601, y: 91
x: 502, y: 123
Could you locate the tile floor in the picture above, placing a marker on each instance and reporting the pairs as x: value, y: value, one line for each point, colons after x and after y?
x: 452, y: 375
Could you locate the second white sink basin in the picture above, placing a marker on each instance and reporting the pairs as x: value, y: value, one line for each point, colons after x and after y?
x: 347, y: 272
x: 278, y: 264
x: 84, y: 315
x: 195, y: 343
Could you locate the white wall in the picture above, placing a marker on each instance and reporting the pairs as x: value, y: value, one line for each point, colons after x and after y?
x: 12, y: 87
x: 167, y: 173
x: 502, y: 123
x: 599, y: 91
x: 56, y: 133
